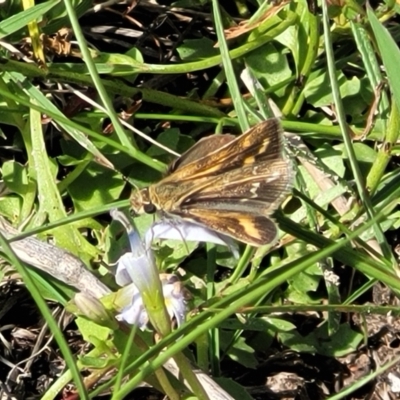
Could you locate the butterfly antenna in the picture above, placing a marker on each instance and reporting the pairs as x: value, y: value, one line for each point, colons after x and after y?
x: 129, y: 180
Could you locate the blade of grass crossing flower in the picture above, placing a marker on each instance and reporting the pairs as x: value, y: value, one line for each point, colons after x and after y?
x: 164, y: 382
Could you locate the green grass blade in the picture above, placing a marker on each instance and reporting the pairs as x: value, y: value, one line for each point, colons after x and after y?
x: 123, y: 137
x: 361, y: 187
x: 229, y: 71
x: 20, y: 20
x: 390, y: 54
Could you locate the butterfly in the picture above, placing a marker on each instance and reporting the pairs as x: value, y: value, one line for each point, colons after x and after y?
x: 228, y: 184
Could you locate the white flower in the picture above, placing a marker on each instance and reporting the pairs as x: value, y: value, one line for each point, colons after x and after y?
x: 147, y: 290
x: 185, y: 230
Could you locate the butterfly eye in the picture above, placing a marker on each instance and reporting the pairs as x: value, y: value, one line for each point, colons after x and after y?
x: 149, y: 208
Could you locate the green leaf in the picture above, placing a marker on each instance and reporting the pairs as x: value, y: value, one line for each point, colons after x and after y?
x: 95, y: 186
x: 172, y: 252
x: 224, y: 257
x: 240, y: 352
x: 134, y: 53
x: 269, y: 65
x: 90, y: 330
x: 197, y: 49
x: 364, y: 153
x: 306, y: 282
x: 57, y: 17
x: 10, y: 207
x: 390, y: 54
x: 259, y: 324
x: 318, y: 90
x: 293, y: 340
x: 332, y: 158
x: 296, y: 38
x: 174, y: 140
x: 343, y: 342
x: 279, y: 324
x: 15, y: 177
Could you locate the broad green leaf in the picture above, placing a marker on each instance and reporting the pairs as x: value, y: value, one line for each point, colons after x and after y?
x: 341, y: 343
x: 89, y: 329
x: 172, y: 252
x: 318, y: 91
x: 10, y: 208
x: 295, y: 38
x: 332, y: 158
x: 259, y: 324
x: 240, y: 351
x: 172, y: 139
x: 15, y: 176
x: 269, y: 65
x: 197, y: 49
x: 94, y: 187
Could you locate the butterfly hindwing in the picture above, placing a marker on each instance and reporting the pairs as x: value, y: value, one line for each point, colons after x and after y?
x: 255, y: 230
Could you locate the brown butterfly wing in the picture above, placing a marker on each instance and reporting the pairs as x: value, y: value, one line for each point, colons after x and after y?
x: 231, y: 189
x: 238, y: 203
x: 260, y: 143
x: 202, y: 148
x: 256, y: 230
x: 265, y: 182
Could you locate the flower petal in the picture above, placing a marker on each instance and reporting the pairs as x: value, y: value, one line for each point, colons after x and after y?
x: 184, y: 230
x: 135, y: 314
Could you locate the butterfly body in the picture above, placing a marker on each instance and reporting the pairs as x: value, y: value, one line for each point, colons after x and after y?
x: 225, y: 183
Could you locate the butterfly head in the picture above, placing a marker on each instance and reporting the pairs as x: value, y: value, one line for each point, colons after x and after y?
x: 141, y: 202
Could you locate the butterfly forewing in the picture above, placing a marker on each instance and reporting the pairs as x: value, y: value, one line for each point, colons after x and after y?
x: 262, y: 142
x: 231, y: 185
x: 202, y: 148
x: 265, y: 181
